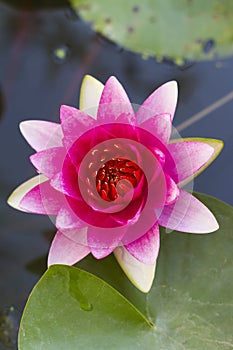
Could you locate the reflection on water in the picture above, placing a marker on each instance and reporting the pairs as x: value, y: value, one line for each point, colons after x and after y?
x: 9, y: 324
x: 60, y: 54
x: 34, y: 85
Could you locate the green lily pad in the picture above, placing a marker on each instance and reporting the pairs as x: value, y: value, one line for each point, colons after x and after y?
x: 189, y: 306
x: 180, y: 29
x: 72, y: 309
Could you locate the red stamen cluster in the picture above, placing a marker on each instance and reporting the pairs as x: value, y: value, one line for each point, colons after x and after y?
x: 114, y: 171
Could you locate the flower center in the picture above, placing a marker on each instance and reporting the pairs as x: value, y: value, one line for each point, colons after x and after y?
x: 113, y: 171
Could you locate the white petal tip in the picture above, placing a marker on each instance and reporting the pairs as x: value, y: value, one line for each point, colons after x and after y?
x: 214, y: 226
x: 89, y: 78
x: 13, y: 201
x: 171, y: 85
x: 26, y: 125
x: 208, y: 221
x: 23, y: 126
x: 172, y: 82
x: 18, y: 194
x: 139, y: 274
x: 90, y: 93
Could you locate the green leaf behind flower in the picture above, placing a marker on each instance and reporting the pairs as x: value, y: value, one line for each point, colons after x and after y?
x: 181, y: 29
x: 190, y: 303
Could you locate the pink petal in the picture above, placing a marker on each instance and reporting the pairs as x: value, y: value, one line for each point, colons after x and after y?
x: 67, y: 112
x: 141, y: 226
x: 188, y: 158
x: 74, y: 124
x: 126, y: 119
x: 58, y: 184
x: 160, y: 126
x: 42, y: 199
x: 65, y: 251
x: 41, y: 134
x: 69, y: 179
x: 49, y: 162
x: 161, y: 101
x: 188, y: 214
x: 102, y: 241
x: 114, y: 103
x: 146, y: 248
x: 68, y: 220
x: 172, y: 192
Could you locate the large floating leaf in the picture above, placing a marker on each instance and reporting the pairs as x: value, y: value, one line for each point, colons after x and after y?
x: 71, y: 309
x: 177, y: 29
x: 190, y: 302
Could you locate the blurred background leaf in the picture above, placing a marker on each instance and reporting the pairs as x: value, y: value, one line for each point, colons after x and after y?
x: 179, y: 30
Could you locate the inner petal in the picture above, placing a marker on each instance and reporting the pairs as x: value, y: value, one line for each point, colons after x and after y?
x: 113, y: 174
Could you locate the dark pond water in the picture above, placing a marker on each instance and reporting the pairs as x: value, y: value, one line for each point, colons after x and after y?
x: 44, y: 55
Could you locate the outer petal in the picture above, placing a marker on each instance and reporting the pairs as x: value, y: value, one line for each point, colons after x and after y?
x: 75, y: 123
x: 217, y: 146
x: 188, y: 214
x: 160, y: 126
x: 189, y: 157
x: 41, y: 134
x: 49, y: 162
x: 42, y: 199
x: 141, y: 275
x: 146, y: 248
x: 17, y: 195
x: 67, y: 112
x: 65, y: 251
x: 90, y: 93
x: 163, y: 100
x: 114, y: 102
x: 103, y: 241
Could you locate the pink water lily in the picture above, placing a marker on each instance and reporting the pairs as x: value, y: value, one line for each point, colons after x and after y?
x: 111, y: 176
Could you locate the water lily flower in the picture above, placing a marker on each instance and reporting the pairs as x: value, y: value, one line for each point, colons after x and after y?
x: 111, y: 176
